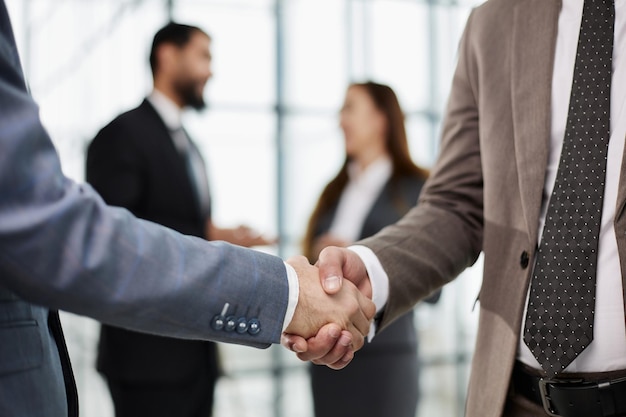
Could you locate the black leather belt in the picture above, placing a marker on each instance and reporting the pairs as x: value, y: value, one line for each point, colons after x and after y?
x: 572, y: 397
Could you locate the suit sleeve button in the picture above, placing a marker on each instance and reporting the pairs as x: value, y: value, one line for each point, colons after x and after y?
x: 218, y: 322
x: 231, y: 323
x: 254, y: 326
x: 242, y: 325
x: 524, y: 260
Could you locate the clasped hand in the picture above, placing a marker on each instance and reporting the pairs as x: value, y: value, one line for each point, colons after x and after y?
x: 331, y: 321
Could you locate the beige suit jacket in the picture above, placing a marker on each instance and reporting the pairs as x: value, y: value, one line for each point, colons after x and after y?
x: 486, y: 189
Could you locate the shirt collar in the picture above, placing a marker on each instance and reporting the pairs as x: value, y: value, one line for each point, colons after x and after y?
x: 377, y: 171
x: 167, y: 109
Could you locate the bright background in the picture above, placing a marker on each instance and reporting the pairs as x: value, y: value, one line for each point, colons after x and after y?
x: 270, y: 137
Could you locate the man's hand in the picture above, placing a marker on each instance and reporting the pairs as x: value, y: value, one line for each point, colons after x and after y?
x: 347, y: 309
x: 241, y: 235
x: 337, y: 263
x: 333, y: 344
x: 328, y: 347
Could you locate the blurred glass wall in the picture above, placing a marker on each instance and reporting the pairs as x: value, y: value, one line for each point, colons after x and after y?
x: 270, y: 136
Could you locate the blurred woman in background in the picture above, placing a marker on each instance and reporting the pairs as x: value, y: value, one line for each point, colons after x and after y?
x: 377, y: 184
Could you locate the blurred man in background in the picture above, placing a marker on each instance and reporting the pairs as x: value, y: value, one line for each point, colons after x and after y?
x: 145, y: 161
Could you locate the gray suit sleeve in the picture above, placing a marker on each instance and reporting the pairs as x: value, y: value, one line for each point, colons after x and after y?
x: 62, y: 247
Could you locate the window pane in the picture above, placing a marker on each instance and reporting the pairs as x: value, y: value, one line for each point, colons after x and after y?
x: 315, y: 53
x: 399, y: 49
x: 420, y: 137
x: 243, y: 51
x: 241, y: 161
x: 314, y: 153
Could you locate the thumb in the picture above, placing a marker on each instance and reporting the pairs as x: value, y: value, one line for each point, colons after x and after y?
x: 331, y: 262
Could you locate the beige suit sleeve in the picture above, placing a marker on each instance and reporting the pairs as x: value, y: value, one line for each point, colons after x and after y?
x: 442, y: 235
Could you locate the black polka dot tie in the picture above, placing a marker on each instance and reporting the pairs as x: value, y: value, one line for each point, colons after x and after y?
x: 559, y: 322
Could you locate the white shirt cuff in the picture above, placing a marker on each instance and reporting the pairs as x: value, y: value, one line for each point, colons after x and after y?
x: 378, y: 280
x: 294, y: 293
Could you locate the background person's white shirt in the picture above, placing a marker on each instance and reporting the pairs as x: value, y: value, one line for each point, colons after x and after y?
x: 358, y: 197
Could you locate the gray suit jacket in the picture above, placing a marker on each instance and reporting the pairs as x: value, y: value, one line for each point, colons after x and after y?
x: 486, y: 189
x: 61, y: 247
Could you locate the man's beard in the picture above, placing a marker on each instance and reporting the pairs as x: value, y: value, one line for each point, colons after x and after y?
x: 188, y: 91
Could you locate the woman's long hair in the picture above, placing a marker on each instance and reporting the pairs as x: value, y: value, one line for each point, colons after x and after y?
x: 397, y: 146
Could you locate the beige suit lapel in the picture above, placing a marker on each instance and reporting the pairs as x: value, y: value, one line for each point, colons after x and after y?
x: 534, y: 40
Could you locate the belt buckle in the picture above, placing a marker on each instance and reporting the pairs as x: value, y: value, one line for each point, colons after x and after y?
x: 545, y: 397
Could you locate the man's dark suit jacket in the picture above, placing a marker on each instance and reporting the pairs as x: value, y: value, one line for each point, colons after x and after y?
x: 383, y: 378
x: 134, y: 164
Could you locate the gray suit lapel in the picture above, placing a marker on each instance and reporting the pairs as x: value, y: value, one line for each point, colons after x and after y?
x: 534, y: 40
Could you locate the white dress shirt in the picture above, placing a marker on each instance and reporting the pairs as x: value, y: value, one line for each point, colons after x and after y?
x: 170, y: 113
x: 608, y: 349
x: 358, y: 197
x: 172, y: 117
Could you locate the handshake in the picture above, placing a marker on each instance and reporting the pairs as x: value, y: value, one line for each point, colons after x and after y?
x: 333, y: 314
